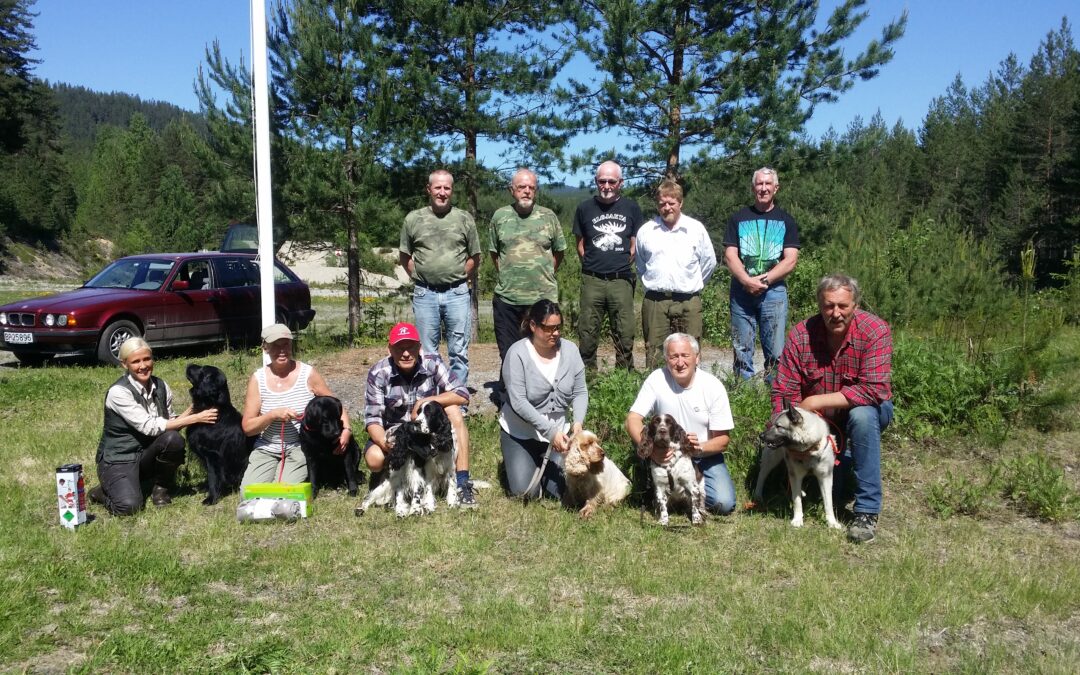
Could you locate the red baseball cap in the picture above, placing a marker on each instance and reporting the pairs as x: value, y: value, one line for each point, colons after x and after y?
x: 404, y: 331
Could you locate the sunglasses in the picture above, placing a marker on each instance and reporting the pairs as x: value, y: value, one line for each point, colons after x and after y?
x: 549, y: 329
x: 608, y: 181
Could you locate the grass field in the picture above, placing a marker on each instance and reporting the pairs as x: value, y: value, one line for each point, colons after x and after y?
x: 512, y: 588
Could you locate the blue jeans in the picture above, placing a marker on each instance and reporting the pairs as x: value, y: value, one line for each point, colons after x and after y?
x: 522, y: 457
x: 862, y: 452
x: 448, y: 313
x: 750, y: 314
x: 719, y: 489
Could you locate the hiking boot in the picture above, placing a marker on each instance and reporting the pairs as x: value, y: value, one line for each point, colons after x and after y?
x: 466, y: 498
x: 862, y: 528
x: 97, y: 495
x: 159, y: 496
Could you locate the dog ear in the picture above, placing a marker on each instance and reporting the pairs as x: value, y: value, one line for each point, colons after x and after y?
x: 794, y: 415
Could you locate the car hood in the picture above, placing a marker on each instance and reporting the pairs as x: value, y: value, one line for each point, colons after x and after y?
x: 68, y: 301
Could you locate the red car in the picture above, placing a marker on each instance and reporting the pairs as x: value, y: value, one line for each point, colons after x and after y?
x: 169, y: 299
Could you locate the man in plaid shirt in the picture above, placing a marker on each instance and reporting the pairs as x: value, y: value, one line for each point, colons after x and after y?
x: 398, y: 385
x: 838, y: 363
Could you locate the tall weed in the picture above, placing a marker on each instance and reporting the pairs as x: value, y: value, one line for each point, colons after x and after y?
x: 611, y: 394
x: 1039, y: 488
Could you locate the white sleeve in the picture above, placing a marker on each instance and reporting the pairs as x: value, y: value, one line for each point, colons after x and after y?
x: 645, y: 403
x: 719, y: 410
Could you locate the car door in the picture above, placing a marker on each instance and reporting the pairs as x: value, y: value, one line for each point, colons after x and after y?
x: 237, y: 278
x: 193, y: 310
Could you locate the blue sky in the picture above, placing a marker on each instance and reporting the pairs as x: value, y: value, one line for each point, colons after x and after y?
x: 153, y: 49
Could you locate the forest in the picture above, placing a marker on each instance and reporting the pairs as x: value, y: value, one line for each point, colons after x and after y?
x: 992, y: 169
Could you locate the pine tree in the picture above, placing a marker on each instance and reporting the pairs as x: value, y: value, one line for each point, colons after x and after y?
x: 724, y: 78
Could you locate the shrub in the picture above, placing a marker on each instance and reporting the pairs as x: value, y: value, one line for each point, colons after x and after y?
x: 1038, y: 487
x: 954, y: 494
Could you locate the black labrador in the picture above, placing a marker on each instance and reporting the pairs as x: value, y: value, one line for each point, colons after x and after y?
x: 319, y: 433
x: 222, y: 447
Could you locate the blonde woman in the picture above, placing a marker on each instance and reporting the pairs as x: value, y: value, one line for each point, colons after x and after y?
x: 140, y: 446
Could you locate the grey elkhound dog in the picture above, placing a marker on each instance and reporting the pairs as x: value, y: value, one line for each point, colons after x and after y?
x: 800, y: 438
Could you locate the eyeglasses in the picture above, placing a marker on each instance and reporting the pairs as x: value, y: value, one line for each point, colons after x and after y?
x: 608, y: 181
x: 549, y: 329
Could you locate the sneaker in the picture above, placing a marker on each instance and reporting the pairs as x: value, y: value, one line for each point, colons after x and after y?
x: 97, y: 495
x: 160, y: 496
x: 862, y: 528
x: 466, y: 498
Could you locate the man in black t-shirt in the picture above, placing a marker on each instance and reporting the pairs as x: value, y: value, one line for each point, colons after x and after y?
x: 761, y: 247
x: 606, y: 228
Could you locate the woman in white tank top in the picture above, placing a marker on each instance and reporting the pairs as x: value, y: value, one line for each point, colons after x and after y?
x: 277, y: 395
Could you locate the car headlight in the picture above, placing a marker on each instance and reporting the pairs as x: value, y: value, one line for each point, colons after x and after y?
x: 50, y: 320
x: 3, y: 318
x: 61, y: 320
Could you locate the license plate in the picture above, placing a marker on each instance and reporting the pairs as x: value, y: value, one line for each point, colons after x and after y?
x: 19, y: 338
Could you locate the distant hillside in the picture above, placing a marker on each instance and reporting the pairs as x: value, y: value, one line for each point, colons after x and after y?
x: 83, y: 110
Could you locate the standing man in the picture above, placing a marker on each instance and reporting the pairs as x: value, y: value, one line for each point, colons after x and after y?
x: 761, y: 247
x: 440, y: 249
x: 699, y: 403
x: 397, y: 387
x: 527, y: 246
x: 675, y: 259
x: 839, y: 363
x: 606, y: 227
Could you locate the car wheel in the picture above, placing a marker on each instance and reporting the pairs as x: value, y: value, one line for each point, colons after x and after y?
x: 112, y: 337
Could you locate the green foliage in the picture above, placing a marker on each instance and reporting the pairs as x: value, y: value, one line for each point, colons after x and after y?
x: 938, y: 388
x: 1039, y: 488
x: 611, y: 394
x: 751, y: 409
x: 956, y: 494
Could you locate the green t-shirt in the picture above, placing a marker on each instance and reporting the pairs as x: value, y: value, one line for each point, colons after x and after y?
x: 526, y: 248
x: 439, y: 246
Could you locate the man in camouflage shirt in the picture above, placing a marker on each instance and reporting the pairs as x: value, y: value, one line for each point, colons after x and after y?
x: 439, y: 250
x: 527, y: 246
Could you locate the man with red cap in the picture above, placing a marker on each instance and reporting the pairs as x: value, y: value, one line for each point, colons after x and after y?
x: 398, y: 385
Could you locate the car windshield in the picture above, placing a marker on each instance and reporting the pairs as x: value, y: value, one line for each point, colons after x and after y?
x: 140, y: 275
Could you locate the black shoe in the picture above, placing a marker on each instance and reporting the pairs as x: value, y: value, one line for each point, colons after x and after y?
x: 862, y: 528
x: 466, y: 498
x: 97, y: 495
x: 159, y: 495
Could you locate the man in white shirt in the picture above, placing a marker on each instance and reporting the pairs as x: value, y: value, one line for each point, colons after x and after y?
x: 675, y: 258
x: 699, y: 403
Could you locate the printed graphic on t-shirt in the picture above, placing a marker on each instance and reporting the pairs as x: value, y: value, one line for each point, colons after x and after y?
x: 761, y: 243
x: 609, y: 231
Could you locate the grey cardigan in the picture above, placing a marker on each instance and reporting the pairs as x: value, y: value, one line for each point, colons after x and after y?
x: 531, y: 396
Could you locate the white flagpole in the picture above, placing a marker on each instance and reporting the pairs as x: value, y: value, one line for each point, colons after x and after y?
x: 264, y: 198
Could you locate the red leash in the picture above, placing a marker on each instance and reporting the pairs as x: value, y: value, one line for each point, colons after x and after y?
x: 832, y: 441
x: 281, y: 469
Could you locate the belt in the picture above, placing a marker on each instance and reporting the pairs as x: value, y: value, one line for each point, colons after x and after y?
x: 669, y: 295
x: 610, y: 277
x: 440, y: 288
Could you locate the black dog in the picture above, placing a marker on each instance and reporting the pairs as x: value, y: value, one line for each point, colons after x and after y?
x: 319, y: 435
x: 222, y: 447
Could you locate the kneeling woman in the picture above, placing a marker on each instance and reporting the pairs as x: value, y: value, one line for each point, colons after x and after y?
x: 277, y: 395
x: 140, y: 446
x: 545, y: 379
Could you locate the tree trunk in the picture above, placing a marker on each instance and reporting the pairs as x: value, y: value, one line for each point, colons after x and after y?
x: 471, y: 188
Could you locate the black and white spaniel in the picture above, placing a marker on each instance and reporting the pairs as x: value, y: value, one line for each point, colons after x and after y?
x: 420, y: 465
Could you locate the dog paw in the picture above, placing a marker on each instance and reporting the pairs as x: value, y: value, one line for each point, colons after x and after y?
x: 209, y: 501
x: 697, y: 519
x: 835, y: 524
x: 664, y: 520
x: 587, y: 511
x: 796, y: 522
x: 360, y: 510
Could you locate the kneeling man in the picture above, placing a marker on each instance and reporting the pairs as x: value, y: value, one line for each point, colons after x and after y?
x: 839, y: 363
x: 397, y: 387
x: 699, y: 403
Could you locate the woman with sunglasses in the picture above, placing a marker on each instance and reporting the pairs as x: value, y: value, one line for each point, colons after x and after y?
x: 545, y: 388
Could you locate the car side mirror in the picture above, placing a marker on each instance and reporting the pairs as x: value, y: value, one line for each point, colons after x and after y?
x: 180, y: 285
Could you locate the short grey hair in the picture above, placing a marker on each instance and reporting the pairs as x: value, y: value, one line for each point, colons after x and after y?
x: 766, y: 171
x: 832, y: 282
x: 536, y: 180
x: 681, y: 337
x: 613, y: 163
x: 132, y: 345
x: 438, y: 173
